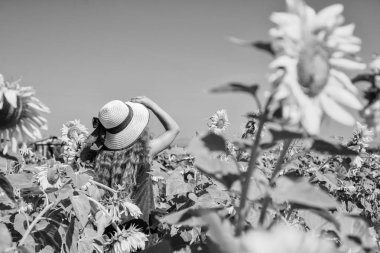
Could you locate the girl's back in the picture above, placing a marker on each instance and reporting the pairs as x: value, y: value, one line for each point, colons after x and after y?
x: 127, y: 169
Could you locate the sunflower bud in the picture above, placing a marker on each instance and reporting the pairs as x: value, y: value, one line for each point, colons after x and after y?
x: 52, y: 175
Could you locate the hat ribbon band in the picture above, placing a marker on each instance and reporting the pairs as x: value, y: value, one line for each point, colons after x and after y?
x: 122, y: 125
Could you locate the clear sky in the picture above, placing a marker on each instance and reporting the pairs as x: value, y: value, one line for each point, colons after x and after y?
x: 79, y: 54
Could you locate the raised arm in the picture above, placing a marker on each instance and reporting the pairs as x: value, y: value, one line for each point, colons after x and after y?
x: 171, y: 127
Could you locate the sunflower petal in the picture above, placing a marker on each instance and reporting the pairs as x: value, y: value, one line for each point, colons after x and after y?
x: 27, y: 132
x: 19, y: 134
x: 345, y: 31
x: 333, y: 40
x: 283, y: 61
x: 335, y: 111
x: 36, y: 132
x: 11, y: 96
x: 5, y: 150
x: 295, y: 6
x: 311, y: 117
x: 347, y: 65
x: 335, y: 91
x: 328, y: 13
x: 283, y: 18
x: 274, y: 33
x: 281, y: 93
x: 38, y: 107
x: 14, y: 143
x: 349, y: 48
x: 344, y: 80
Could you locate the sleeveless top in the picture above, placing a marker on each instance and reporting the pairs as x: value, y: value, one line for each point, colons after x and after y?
x: 127, y: 169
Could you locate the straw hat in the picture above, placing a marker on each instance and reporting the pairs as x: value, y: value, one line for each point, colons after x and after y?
x: 124, y: 123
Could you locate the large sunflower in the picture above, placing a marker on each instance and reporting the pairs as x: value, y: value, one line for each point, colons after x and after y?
x: 20, y: 119
x: 314, y: 53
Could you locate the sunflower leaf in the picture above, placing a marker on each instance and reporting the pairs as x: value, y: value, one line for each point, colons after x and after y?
x: 5, y: 238
x: 324, y: 146
x: 11, y: 156
x: 303, y: 194
x: 20, y: 181
x: 175, y: 185
x: 285, y: 134
x: 355, y: 229
x: 6, y: 186
x: 81, y: 207
x: 80, y: 179
x: 72, y: 235
x: 85, y: 245
x: 191, y: 216
x: 206, y: 143
x: 236, y: 87
x: 226, y: 172
x: 20, y: 223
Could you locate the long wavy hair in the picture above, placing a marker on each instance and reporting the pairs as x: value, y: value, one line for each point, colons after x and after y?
x: 119, y: 168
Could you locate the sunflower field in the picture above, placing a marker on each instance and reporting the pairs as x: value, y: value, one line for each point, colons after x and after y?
x: 278, y: 188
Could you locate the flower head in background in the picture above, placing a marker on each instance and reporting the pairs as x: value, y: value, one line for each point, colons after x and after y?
x: 20, y: 115
x: 219, y: 122
x: 362, y: 137
x: 74, y: 131
x: 130, y: 240
x: 131, y: 209
x: 49, y: 177
x: 25, y: 151
x: 371, y: 115
x: 357, y: 162
x: 374, y: 65
x: 73, y: 134
x: 314, y: 53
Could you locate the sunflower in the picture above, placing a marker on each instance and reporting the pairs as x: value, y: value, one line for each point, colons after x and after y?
x: 362, y: 137
x: 73, y: 134
x: 48, y: 177
x: 20, y: 119
x: 314, y: 53
x: 130, y: 240
x: 74, y: 131
x: 219, y: 122
x: 25, y: 151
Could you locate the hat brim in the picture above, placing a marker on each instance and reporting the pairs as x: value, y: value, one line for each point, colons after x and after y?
x: 132, y: 131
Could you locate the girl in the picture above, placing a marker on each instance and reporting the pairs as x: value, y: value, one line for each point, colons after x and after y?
x: 123, y: 162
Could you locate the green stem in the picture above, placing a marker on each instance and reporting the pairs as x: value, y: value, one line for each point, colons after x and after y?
x: 247, y: 176
x: 258, y: 103
x: 103, y: 186
x: 246, y: 179
x: 264, y: 210
x: 326, y: 162
x: 37, y: 219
